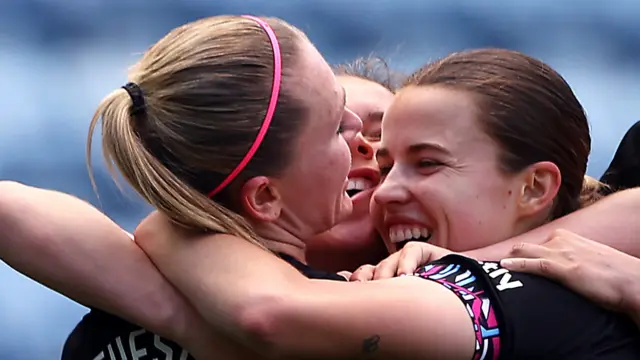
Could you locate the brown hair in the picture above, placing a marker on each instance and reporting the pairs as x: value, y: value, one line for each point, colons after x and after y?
x: 371, y: 68
x: 206, y: 85
x: 527, y: 108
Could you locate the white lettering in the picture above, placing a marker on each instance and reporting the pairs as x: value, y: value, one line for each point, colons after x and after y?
x: 505, y: 282
x: 136, y: 353
x: 140, y: 346
x: 123, y: 355
x: 111, y: 354
x: 166, y: 350
x: 494, y: 270
x: 489, y: 266
x: 184, y: 355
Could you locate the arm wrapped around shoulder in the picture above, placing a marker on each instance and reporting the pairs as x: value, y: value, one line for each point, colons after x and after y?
x: 68, y: 245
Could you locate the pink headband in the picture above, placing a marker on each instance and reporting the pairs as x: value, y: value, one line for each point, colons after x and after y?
x: 275, y: 91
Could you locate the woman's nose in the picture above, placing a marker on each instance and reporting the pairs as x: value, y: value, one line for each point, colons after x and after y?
x: 361, y: 147
x: 351, y: 124
x: 391, y: 191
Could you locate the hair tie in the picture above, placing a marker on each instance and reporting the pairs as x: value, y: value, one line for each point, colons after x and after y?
x: 138, y: 105
x: 275, y: 92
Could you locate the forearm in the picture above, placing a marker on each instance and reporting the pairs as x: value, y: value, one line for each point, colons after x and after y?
x: 212, y: 271
x: 391, y: 319
x: 612, y: 221
x: 267, y: 305
x: 69, y: 246
x: 239, y: 289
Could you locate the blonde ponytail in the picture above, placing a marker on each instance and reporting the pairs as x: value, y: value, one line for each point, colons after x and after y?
x: 202, y: 93
x: 591, y: 192
x: 162, y: 189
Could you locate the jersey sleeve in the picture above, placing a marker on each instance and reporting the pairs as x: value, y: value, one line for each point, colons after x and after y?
x: 521, y: 316
x: 466, y: 280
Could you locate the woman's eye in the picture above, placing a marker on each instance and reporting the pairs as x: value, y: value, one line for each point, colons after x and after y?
x: 428, y: 163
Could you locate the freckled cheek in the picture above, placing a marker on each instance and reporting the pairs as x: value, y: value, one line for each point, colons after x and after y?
x: 438, y: 190
x: 340, y: 161
x: 501, y: 195
x: 347, y: 155
x: 458, y: 204
x: 335, y: 168
x: 488, y: 208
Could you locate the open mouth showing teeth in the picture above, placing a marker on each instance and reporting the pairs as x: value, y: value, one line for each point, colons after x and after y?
x: 400, y: 235
x: 357, y: 185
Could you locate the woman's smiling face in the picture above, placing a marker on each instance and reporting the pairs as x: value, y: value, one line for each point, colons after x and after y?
x: 441, y: 177
x: 354, y: 241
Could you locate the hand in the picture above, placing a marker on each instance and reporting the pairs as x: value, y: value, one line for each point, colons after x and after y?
x: 363, y: 273
x: 404, y: 262
x: 596, y: 271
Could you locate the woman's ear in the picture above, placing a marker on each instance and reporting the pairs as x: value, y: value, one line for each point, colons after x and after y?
x: 260, y: 199
x: 539, y: 189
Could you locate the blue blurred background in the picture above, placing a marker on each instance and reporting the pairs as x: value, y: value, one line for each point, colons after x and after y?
x: 58, y: 58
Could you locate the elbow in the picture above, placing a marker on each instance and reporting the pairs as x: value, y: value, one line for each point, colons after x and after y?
x: 263, y: 325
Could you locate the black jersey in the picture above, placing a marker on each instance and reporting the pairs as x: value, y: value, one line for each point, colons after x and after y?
x: 624, y: 170
x: 515, y: 316
x: 102, y: 336
x: 518, y: 316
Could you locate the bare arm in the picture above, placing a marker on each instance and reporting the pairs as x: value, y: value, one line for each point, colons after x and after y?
x: 343, y: 319
x: 69, y: 246
x: 613, y: 221
x: 267, y: 305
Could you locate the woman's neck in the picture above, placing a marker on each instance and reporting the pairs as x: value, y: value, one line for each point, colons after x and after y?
x: 279, y: 240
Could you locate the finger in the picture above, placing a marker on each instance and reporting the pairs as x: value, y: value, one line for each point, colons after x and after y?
x: 542, y: 267
x: 363, y: 273
x: 412, y: 256
x: 387, y: 268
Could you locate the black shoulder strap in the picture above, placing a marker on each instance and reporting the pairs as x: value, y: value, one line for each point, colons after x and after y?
x: 310, y: 272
